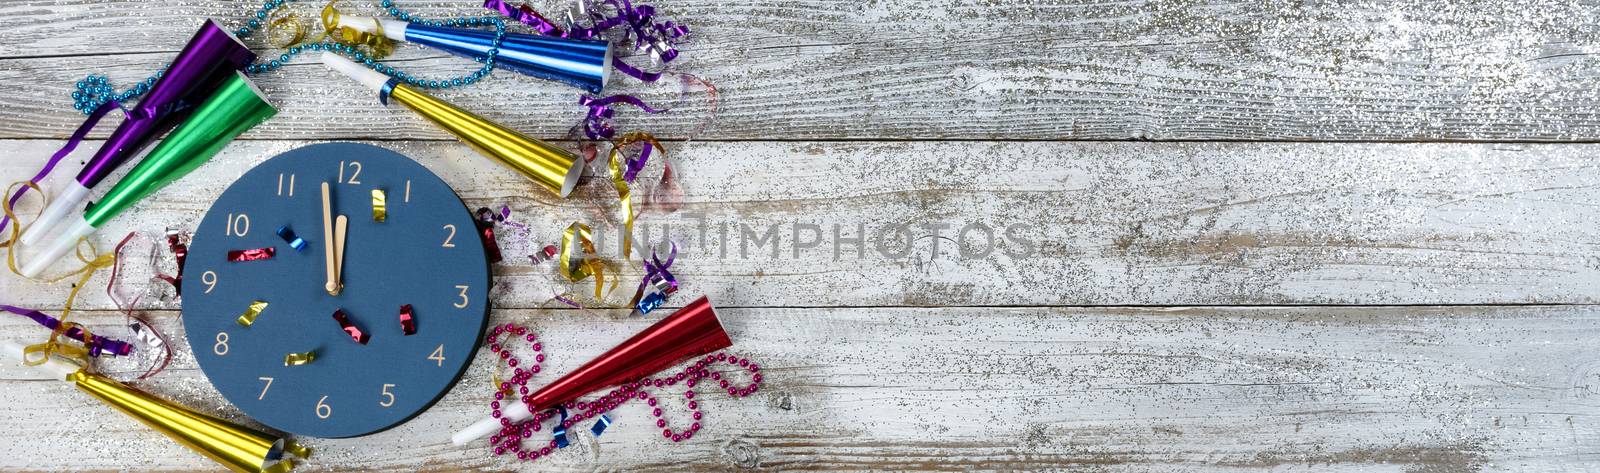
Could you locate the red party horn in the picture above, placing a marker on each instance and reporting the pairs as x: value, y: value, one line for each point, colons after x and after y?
x: 691, y: 331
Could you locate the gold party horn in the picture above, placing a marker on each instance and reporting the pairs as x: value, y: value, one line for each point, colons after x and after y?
x: 551, y: 166
x: 239, y: 448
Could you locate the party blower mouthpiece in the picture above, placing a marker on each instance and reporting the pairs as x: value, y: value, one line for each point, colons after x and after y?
x: 692, y: 331
x: 551, y: 166
x: 235, y: 107
x: 200, y: 67
x: 581, y: 63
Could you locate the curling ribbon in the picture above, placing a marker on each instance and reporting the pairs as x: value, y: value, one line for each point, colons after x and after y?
x: 655, y: 270
x: 580, y: 235
x: 50, y: 165
x: 623, y: 172
x: 180, y: 250
x: 600, y: 425
x: 597, y: 123
x: 659, y: 39
x: 138, y: 326
x: 97, y: 344
x: 378, y: 46
x: 91, y: 264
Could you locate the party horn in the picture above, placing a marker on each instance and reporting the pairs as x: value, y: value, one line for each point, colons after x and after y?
x: 200, y: 67
x: 581, y: 63
x: 551, y: 166
x: 237, y: 106
x: 692, y: 331
x: 239, y: 448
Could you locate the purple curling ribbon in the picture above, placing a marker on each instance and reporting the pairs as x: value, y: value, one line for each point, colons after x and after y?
x: 72, y: 143
x: 656, y: 275
x: 597, y: 124
x: 642, y: 29
x: 97, y: 344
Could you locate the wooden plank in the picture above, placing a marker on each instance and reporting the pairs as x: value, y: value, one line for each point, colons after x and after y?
x: 1112, y: 223
x: 1113, y: 389
x: 1139, y: 70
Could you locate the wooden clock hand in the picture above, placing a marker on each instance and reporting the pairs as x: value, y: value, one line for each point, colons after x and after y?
x: 328, y: 243
x: 339, y: 226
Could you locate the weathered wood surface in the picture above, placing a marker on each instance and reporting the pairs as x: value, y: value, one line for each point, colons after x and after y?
x: 1013, y: 69
x: 1107, y: 389
x: 1111, y: 223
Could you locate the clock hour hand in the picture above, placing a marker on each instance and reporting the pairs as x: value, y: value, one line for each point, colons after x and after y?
x: 328, y: 244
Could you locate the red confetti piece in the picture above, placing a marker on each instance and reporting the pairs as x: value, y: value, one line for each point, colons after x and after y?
x: 252, y: 255
x: 355, y: 332
x: 408, y: 322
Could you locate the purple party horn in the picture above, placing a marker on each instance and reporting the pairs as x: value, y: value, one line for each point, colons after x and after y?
x: 210, y: 57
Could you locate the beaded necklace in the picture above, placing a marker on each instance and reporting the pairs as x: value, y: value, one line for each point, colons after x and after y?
x: 95, y: 90
x: 509, y: 441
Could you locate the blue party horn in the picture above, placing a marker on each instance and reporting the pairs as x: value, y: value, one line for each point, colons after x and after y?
x: 581, y: 63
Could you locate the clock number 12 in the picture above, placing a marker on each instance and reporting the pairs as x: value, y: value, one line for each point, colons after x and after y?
x: 355, y: 171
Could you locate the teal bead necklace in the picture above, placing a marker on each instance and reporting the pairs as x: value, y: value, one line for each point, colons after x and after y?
x: 95, y: 90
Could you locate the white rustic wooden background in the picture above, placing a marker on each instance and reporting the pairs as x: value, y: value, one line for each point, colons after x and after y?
x: 1271, y: 235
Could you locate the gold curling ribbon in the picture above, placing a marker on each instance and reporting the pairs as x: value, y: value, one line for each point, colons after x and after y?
x: 380, y: 206
x: 378, y: 45
x: 91, y: 264
x: 589, y: 264
x: 297, y: 359
x: 237, y: 447
x: 250, y: 314
x: 618, y: 167
x: 284, y: 29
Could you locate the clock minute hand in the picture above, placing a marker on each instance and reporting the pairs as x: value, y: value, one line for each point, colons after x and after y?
x: 332, y: 285
x: 339, y: 226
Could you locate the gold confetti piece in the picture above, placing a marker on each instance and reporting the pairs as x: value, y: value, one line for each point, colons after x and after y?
x: 379, y: 206
x: 249, y: 315
x: 297, y: 359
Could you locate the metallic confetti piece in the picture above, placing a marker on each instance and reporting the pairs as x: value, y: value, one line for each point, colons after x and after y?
x: 297, y: 359
x: 544, y: 255
x: 651, y: 302
x: 288, y: 236
x: 145, y: 335
x: 600, y: 425
x: 408, y: 322
x: 249, y: 316
x: 379, y: 206
x: 560, y: 432
x: 252, y: 254
x: 355, y: 332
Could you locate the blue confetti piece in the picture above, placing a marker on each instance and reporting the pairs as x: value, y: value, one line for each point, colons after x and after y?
x: 294, y: 241
x: 561, y: 429
x: 651, y: 302
x: 600, y: 425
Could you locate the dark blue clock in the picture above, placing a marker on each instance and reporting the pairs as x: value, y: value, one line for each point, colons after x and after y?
x: 342, y: 328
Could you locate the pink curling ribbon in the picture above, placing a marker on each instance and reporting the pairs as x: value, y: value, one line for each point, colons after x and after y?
x: 72, y: 143
x: 140, y: 327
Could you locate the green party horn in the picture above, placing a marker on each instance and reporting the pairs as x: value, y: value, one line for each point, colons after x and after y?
x: 236, y: 106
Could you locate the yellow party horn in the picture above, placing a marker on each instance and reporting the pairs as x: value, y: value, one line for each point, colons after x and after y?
x: 236, y: 447
x: 551, y: 166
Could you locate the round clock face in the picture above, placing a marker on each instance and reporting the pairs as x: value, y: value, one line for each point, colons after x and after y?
x: 345, y: 349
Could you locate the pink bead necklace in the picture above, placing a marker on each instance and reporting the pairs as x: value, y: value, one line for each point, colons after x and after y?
x: 511, y: 436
